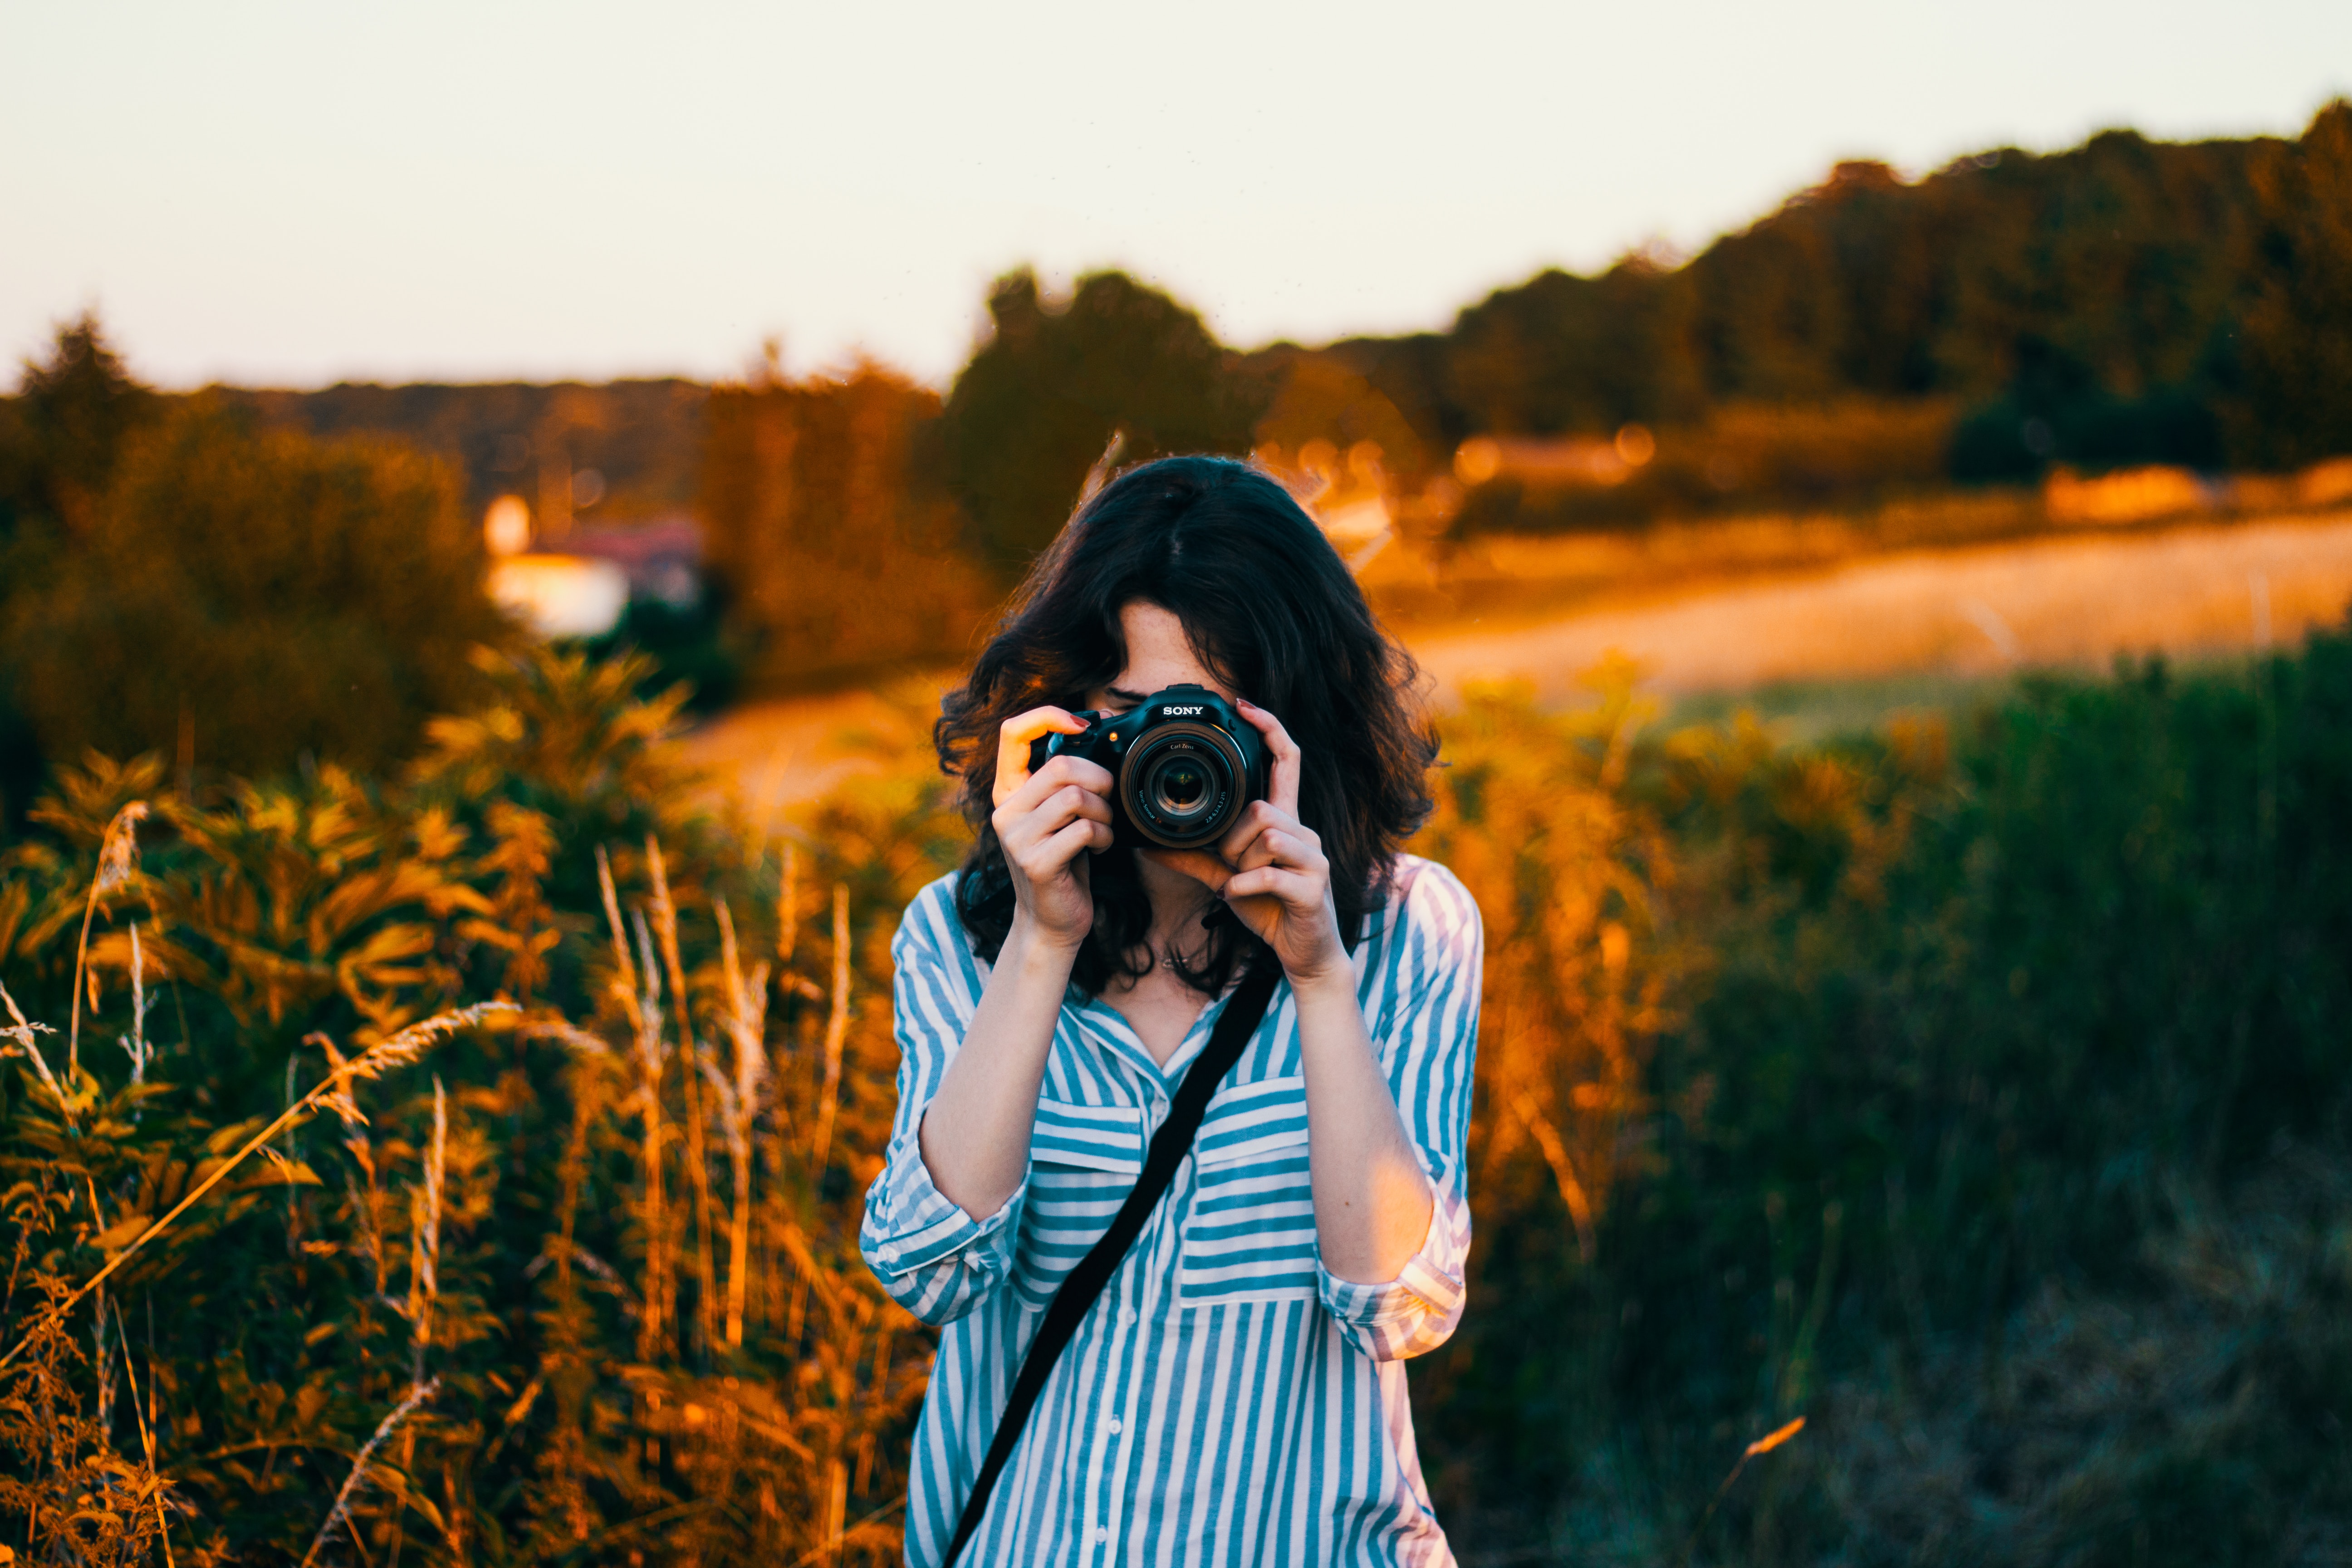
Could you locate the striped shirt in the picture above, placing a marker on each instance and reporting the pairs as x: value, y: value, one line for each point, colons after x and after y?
x: 1228, y: 1401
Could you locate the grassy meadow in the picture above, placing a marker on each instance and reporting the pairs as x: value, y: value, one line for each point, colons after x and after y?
x: 461, y: 1163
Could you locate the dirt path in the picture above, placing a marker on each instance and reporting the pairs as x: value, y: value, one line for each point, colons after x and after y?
x: 1971, y: 611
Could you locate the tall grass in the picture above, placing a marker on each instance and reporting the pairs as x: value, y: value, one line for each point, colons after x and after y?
x: 567, y: 1270
x: 1971, y: 1094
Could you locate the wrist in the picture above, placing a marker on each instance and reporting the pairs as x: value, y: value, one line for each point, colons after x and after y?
x: 1029, y: 946
x: 1324, y: 984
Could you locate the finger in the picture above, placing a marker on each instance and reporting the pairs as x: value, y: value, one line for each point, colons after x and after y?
x: 1277, y: 848
x: 1060, y: 848
x: 1016, y: 828
x: 1257, y: 819
x: 1075, y: 840
x: 1295, y: 889
x: 1058, y: 773
x: 1014, y: 737
x: 1282, y: 788
x: 1198, y: 864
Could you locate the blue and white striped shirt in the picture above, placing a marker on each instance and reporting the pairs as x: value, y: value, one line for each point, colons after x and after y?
x: 1228, y: 1401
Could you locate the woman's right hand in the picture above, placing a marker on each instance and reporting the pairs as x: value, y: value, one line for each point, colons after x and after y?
x: 1047, y: 821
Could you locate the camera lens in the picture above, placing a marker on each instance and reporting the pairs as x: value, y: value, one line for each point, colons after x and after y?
x: 1180, y: 786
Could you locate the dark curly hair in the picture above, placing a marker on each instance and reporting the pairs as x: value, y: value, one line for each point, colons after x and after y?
x: 1269, y: 607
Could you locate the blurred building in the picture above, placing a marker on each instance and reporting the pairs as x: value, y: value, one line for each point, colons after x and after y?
x: 583, y: 590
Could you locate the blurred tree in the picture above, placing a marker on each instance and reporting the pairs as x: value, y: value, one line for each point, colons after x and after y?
x: 833, y: 543
x: 2297, y: 348
x: 258, y: 593
x: 2085, y: 306
x: 1320, y: 399
x: 62, y: 434
x: 1562, y: 354
x: 60, y: 437
x: 1041, y: 400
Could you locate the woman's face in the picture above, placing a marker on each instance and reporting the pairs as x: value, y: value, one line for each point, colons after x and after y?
x: 1158, y: 655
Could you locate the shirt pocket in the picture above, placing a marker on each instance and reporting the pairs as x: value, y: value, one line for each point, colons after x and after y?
x: 1249, y: 1234
x: 1083, y: 1162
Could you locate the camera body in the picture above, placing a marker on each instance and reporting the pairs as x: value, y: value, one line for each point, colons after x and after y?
x: 1186, y: 765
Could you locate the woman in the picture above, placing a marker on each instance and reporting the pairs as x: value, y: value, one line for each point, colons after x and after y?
x: 1233, y: 1396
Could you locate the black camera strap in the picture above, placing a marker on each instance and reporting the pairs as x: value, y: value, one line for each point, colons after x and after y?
x: 1244, y: 1010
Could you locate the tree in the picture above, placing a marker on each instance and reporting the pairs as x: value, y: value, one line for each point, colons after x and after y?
x: 1039, y: 403
x: 2297, y: 344
x: 833, y: 544
x: 62, y: 434
x: 260, y: 593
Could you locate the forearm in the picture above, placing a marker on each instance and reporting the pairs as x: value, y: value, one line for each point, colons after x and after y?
x: 975, y: 1131
x: 1371, y: 1196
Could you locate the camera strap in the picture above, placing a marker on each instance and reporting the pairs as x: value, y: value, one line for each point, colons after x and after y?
x: 1244, y: 1011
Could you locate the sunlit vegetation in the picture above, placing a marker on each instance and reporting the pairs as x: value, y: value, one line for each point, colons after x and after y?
x: 1975, y: 1092
x: 555, y: 1255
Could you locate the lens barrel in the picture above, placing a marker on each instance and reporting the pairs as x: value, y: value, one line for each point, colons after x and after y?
x: 1182, y: 784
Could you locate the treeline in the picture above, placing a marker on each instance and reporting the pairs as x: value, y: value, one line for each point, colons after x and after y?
x: 2126, y: 301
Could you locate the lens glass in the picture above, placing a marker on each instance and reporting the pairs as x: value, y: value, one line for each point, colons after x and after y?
x: 1178, y: 786
x: 1180, y: 783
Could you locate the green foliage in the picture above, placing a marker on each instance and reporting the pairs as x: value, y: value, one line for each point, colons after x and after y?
x: 1998, y: 1123
x: 273, y: 595
x: 1039, y: 403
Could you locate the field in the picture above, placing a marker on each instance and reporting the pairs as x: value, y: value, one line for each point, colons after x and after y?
x: 1972, y: 1090
x: 1770, y: 614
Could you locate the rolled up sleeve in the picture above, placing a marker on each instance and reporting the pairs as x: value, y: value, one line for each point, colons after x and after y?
x: 1421, y: 1005
x: 934, y: 1259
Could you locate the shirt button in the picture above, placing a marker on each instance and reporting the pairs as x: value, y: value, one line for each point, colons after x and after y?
x: 1127, y: 1314
x: 1113, y: 1424
x: 886, y: 1254
x: 1102, y: 1537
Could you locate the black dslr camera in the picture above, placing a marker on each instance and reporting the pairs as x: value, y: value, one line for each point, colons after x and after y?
x: 1187, y: 766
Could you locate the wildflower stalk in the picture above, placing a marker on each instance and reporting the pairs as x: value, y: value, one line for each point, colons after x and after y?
x: 640, y: 1000
x: 698, y: 1153
x: 836, y: 1031
x: 738, y: 1105
x: 117, y: 855
x: 418, y: 1395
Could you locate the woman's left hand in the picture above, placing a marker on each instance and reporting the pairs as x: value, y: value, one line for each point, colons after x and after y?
x: 1270, y: 868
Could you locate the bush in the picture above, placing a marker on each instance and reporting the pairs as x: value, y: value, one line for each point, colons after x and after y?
x: 2000, y: 1125
x: 256, y: 596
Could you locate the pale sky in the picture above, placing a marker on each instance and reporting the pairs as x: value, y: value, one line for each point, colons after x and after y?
x: 293, y: 194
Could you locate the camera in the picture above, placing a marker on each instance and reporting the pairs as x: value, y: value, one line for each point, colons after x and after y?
x: 1187, y: 766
